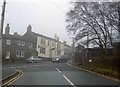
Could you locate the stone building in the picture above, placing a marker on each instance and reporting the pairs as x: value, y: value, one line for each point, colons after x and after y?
x: 19, y: 47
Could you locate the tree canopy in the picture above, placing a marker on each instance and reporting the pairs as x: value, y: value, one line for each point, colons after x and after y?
x: 95, y: 23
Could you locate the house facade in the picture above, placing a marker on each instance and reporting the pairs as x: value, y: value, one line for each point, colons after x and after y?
x: 51, y: 47
x: 19, y: 47
x: 16, y: 47
x: 48, y: 47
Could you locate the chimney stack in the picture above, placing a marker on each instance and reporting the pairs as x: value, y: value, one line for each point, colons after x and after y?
x: 64, y: 42
x: 56, y: 37
x: 15, y: 33
x: 7, y: 29
x: 29, y: 28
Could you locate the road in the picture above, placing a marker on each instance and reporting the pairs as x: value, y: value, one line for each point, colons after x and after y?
x: 49, y: 73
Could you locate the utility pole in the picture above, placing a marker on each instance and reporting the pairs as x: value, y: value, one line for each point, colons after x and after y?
x: 2, y: 16
x: 1, y: 28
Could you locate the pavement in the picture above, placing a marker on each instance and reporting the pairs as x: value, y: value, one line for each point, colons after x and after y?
x: 48, y: 73
x: 7, y: 72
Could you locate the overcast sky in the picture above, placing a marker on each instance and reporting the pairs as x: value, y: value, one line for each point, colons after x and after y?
x: 47, y: 17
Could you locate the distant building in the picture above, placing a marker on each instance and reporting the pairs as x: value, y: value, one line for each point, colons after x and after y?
x: 19, y: 47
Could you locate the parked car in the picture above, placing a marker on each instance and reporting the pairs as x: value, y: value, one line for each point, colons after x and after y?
x: 56, y: 59
x: 59, y: 59
x: 33, y: 59
x: 63, y: 58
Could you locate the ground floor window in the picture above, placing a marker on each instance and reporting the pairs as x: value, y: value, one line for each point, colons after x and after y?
x: 19, y: 53
x: 8, y: 55
x: 58, y: 52
x: 42, y: 50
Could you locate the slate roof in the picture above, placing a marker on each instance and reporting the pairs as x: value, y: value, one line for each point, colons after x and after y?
x: 29, y: 37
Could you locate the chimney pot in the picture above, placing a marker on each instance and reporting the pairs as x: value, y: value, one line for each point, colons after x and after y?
x: 7, y: 29
x: 29, y: 28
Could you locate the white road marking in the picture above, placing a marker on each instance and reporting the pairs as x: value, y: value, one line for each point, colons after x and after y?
x: 69, y: 81
x: 58, y: 70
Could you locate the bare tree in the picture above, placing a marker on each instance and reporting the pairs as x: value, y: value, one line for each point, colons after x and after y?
x: 98, y: 20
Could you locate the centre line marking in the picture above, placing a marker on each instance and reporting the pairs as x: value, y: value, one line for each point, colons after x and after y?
x: 69, y: 81
x: 58, y: 70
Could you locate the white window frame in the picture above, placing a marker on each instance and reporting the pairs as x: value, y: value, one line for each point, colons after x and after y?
x: 48, y: 43
x: 18, y: 42
x: 8, y: 42
x: 19, y: 53
x: 23, y: 43
x: 53, y: 44
x: 43, y: 41
x: 22, y: 53
x: 42, y: 50
x: 30, y: 45
x: 7, y: 55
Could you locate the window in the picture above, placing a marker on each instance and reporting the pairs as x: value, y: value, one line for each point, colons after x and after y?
x: 23, y: 43
x: 38, y: 46
x: 30, y: 45
x: 48, y: 42
x: 58, y: 45
x: 42, y: 41
x: 53, y: 44
x: 19, y: 53
x: 8, y: 42
x: 8, y: 55
x: 18, y: 42
x: 42, y: 50
x: 58, y: 52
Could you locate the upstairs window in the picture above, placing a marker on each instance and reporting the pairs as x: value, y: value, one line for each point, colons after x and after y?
x: 30, y: 45
x: 42, y: 41
x: 53, y: 44
x: 58, y: 45
x: 48, y: 42
x: 8, y: 42
x: 18, y: 42
x: 23, y: 43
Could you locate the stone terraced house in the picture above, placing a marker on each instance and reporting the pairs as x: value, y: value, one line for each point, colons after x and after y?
x: 17, y: 48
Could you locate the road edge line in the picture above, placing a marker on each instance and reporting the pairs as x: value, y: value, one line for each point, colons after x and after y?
x: 107, y: 77
x: 10, y: 81
x: 16, y: 78
x: 8, y: 76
